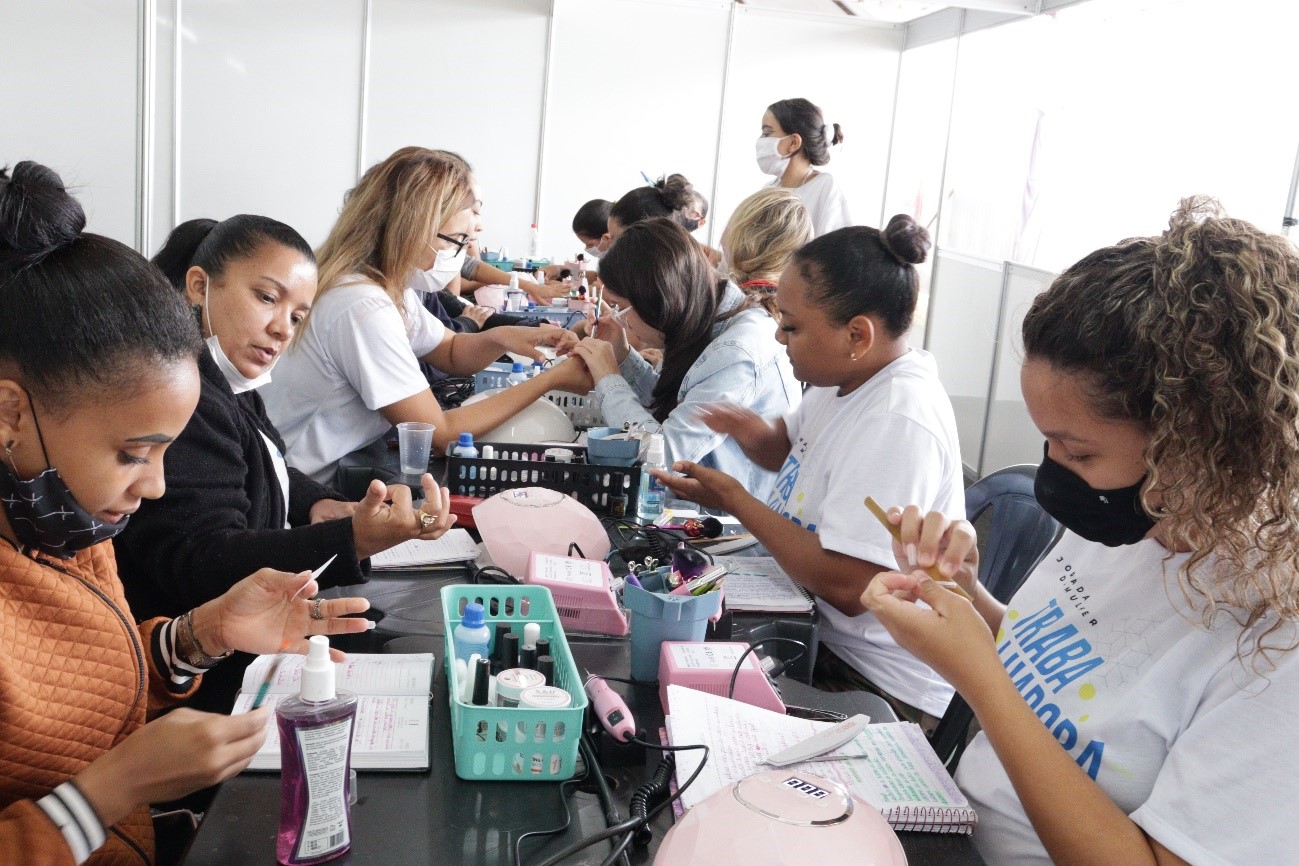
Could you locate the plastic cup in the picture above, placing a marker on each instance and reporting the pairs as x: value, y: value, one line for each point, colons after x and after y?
x: 414, y: 442
x: 657, y: 616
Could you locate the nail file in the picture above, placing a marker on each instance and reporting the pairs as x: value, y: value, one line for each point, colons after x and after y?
x: 819, y: 743
x: 315, y: 575
x: 932, y: 570
x: 727, y: 544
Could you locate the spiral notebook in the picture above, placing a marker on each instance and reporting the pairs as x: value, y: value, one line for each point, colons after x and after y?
x: 759, y: 583
x: 889, y: 765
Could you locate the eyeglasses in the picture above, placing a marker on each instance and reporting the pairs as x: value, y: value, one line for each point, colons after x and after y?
x: 460, y: 242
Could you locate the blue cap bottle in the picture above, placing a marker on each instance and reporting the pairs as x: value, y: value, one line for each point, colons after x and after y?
x: 465, y: 446
x: 472, y: 635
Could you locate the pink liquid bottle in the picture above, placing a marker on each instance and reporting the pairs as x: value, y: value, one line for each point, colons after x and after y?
x: 315, y: 759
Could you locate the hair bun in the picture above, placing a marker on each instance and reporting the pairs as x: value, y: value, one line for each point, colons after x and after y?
x: 37, y: 214
x: 677, y: 191
x: 907, y: 240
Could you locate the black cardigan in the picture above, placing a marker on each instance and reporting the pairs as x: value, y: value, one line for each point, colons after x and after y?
x: 222, y: 517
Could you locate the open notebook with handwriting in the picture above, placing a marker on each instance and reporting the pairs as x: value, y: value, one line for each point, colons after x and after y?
x: 392, y: 713
x: 889, y: 765
x: 454, y: 548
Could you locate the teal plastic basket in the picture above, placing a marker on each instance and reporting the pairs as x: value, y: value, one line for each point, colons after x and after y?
x: 515, y: 744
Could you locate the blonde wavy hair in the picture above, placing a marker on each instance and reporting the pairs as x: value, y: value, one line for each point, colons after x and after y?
x: 390, y: 217
x: 762, y: 235
x: 1195, y: 335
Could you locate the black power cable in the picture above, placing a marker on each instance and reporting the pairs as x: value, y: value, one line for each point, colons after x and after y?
x: 730, y: 690
x: 631, y: 825
x: 611, y: 814
x: 649, y: 794
x: 492, y: 574
x: 634, y: 541
x: 568, y: 816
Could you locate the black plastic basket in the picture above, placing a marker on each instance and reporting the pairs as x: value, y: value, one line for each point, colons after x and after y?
x: 600, y: 488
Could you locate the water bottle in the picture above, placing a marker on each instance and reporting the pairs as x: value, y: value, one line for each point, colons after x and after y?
x: 649, y: 506
x: 517, y: 374
x: 534, y: 243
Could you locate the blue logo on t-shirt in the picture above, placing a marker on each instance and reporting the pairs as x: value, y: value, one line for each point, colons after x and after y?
x: 783, y: 491
x: 1044, y: 654
x: 786, y: 481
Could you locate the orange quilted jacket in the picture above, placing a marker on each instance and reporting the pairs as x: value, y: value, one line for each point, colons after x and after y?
x: 76, y: 676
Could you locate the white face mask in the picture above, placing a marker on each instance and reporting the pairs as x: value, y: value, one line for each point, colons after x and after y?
x: 446, y: 267
x: 769, y: 159
x: 592, y: 251
x: 238, y: 382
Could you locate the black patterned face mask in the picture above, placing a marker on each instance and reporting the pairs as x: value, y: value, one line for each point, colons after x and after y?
x: 45, y: 515
x: 1111, y: 517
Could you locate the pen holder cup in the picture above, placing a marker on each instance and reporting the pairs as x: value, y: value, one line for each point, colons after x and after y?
x: 657, y: 616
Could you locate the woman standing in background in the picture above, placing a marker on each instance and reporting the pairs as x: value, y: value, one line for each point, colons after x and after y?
x: 795, y: 142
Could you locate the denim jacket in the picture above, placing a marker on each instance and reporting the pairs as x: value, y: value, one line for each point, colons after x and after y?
x: 743, y: 364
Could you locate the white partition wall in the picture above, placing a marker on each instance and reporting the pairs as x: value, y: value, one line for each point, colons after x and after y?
x: 276, y: 106
x: 68, y: 99
x: 466, y: 77
x: 269, y: 94
x: 635, y: 86
x: 962, y: 335
x: 850, y: 71
x: 1009, y: 435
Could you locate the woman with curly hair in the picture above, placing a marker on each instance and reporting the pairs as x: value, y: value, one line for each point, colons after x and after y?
x: 1138, y: 700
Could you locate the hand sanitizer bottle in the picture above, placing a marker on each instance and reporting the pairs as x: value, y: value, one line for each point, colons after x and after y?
x: 315, y: 759
x: 649, y: 505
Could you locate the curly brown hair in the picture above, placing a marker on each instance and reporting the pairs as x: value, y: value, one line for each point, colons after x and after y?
x: 1193, y: 335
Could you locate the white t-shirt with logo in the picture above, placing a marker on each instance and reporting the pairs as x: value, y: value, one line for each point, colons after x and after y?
x: 1188, y: 740
x: 893, y: 439
x: 825, y: 202
x: 357, y: 355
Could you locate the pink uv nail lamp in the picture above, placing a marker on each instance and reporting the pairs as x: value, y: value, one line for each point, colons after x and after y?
x: 514, y: 523
x: 780, y: 817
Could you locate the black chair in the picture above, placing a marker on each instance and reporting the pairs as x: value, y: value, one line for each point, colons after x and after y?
x: 1021, y: 533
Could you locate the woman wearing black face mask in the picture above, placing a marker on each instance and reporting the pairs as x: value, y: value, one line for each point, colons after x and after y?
x: 1138, y: 701
x: 97, y: 377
